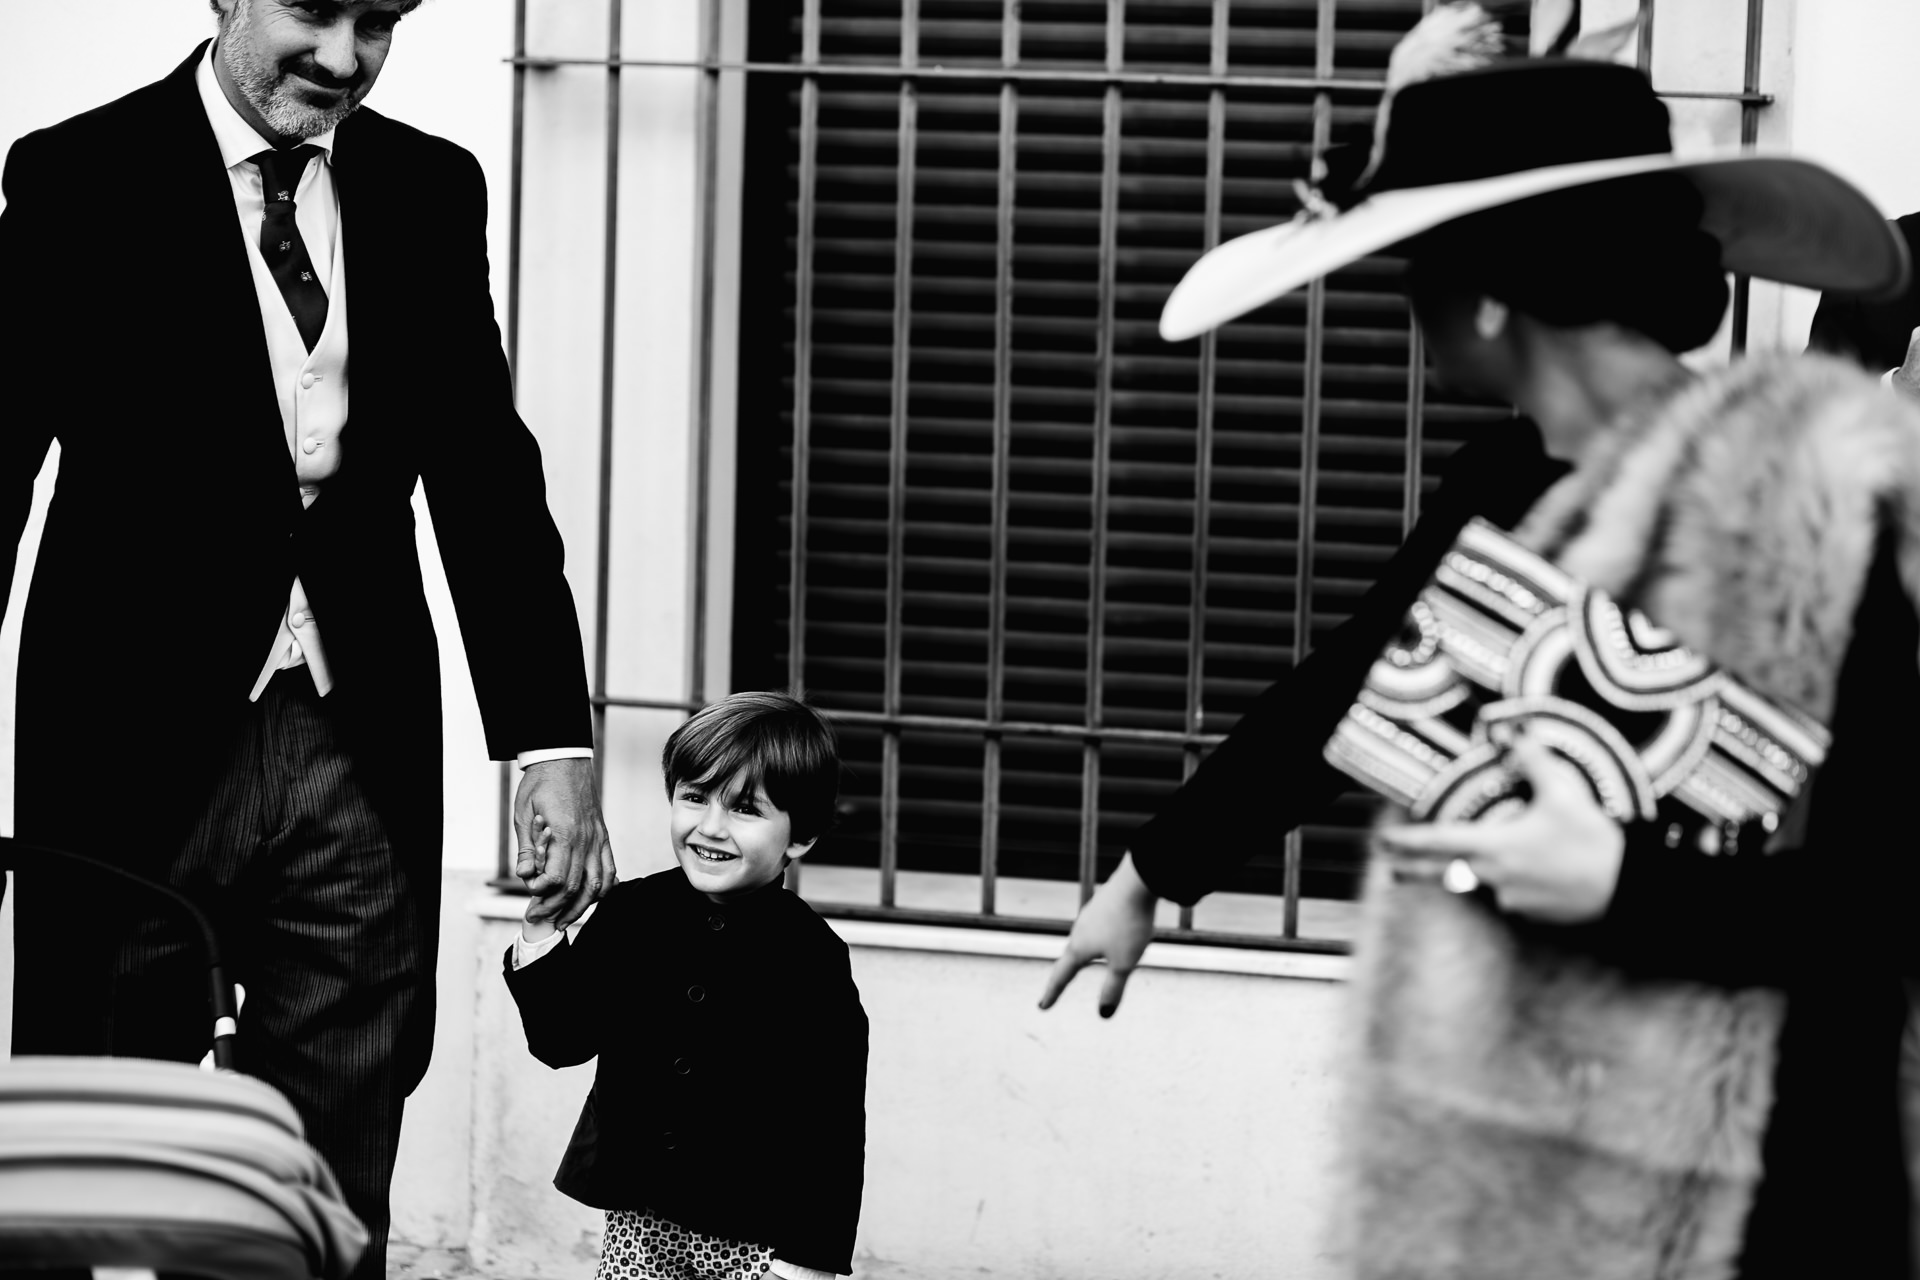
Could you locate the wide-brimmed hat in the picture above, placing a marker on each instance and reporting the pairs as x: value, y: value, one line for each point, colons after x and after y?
x: 1459, y: 143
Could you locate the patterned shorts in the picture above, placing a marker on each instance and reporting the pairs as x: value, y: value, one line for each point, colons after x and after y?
x: 645, y: 1246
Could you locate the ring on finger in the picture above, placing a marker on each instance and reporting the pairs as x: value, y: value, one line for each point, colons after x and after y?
x: 1459, y: 877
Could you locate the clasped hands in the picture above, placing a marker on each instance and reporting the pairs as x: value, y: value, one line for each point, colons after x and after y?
x: 565, y: 855
x: 1557, y: 860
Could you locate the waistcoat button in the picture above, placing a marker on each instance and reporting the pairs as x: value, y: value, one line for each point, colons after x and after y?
x: 682, y: 1066
x: 716, y: 923
x: 696, y: 993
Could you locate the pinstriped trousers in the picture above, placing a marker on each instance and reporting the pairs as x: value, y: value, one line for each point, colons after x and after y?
x: 296, y: 870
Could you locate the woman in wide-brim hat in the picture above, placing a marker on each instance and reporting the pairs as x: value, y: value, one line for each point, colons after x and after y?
x: 1585, y: 1053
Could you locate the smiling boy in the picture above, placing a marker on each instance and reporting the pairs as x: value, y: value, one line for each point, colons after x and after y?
x: 724, y: 1015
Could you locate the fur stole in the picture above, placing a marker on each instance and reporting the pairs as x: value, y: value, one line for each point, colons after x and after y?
x: 1518, y: 1110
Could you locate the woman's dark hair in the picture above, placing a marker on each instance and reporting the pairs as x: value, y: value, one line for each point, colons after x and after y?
x: 779, y: 741
x: 1630, y: 252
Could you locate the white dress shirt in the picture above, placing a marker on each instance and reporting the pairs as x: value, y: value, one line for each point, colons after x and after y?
x: 311, y: 386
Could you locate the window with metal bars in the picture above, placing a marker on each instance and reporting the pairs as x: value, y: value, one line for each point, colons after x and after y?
x: 1034, y: 559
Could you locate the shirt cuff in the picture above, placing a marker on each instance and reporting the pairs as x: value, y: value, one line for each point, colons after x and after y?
x: 526, y: 758
x: 525, y: 953
x: 792, y: 1271
x: 1886, y: 379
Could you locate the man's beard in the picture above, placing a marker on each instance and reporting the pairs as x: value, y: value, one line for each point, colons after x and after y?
x: 265, y: 87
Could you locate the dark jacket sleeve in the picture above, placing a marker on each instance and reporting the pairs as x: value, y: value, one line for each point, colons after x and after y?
x: 832, y: 1098
x: 29, y: 251
x: 560, y: 1008
x: 504, y: 557
x: 1274, y: 751
x: 1842, y: 897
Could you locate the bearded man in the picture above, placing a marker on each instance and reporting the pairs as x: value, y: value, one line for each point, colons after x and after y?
x: 228, y: 677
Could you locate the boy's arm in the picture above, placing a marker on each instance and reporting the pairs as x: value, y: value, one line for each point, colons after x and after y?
x: 550, y: 976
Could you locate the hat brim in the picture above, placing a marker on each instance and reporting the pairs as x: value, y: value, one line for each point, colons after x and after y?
x: 1776, y: 217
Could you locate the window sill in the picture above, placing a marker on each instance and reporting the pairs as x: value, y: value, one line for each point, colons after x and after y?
x: 889, y: 935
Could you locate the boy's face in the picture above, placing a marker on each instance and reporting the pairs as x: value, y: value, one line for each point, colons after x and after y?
x: 730, y: 841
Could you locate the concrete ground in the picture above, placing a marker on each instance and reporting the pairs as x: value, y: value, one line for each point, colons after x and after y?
x: 412, y: 1262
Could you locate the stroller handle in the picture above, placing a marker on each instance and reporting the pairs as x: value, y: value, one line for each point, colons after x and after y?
x: 225, y: 1015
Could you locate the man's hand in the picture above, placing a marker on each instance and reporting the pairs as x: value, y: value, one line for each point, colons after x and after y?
x: 1116, y: 925
x: 1906, y: 379
x: 1557, y: 861
x: 569, y: 856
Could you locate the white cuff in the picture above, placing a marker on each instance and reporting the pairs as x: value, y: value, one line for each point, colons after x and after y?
x: 545, y: 754
x: 1886, y: 379
x: 525, y: 953
x: 793, y: 1272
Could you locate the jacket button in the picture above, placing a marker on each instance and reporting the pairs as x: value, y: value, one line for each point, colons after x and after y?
x: 682, y: 1066
x: 696, y: 993
x: 668, y: 1140
x: 716, y: 923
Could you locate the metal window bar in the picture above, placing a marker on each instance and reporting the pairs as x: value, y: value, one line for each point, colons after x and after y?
x: 1204, y: 406
x: 993, y: 727
x: 1000, y: 495
x: 706, y: 253
x: 609, y: 302
x: 905, y: 175
x: 1102, y: 449
x: 1039, y: 75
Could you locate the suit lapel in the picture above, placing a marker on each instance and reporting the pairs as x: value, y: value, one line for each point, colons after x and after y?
x: 369, y: 213
x: 195, y: 219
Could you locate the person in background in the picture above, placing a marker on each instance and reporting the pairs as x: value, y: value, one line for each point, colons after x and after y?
x: 725, y: 1134
x: 1882, y: 336
x: 255, y: 315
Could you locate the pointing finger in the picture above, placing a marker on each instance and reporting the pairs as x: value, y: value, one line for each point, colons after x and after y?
x: 1112, y: 989
x: 1069, y: 963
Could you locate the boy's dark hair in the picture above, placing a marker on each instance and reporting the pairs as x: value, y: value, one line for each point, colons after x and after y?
x: 782, y: 743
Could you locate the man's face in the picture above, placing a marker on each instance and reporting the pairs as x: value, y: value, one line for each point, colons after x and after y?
x: 296, y: 68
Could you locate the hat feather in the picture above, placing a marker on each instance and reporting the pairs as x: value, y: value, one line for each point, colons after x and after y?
x: 1455, y: 37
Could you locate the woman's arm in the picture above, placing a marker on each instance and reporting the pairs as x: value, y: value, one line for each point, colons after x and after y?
x: 1840, y: 899
x: 1274, y: 753
x: 1844, y: 896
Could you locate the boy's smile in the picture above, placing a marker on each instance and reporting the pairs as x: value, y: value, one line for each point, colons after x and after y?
x: 728, y: 840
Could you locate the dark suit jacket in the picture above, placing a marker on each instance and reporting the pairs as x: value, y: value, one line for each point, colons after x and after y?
x: 1874, y: 333
x: 130, y: 332
x: 133, y: 337
x: 730, y: 1096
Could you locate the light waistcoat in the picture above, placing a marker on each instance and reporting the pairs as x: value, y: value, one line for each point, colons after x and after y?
x: 311, y: 386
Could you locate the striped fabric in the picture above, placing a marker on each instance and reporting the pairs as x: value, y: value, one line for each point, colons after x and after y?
x: 301, y: 880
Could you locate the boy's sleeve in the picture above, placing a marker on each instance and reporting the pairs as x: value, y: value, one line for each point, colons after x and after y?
x: 554, y: 991
x: 833, y: 1154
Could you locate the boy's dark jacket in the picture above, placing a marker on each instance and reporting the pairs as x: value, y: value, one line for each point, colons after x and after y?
x: 730, y: 1095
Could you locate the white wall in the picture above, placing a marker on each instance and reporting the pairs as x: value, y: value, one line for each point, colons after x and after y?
x: 1189, y: 1136
x: 1846, y: 96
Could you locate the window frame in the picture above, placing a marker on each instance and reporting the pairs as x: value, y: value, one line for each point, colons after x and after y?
x: 719, y: 143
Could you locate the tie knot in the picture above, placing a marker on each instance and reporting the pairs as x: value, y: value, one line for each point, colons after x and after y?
x: 280, y: 170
